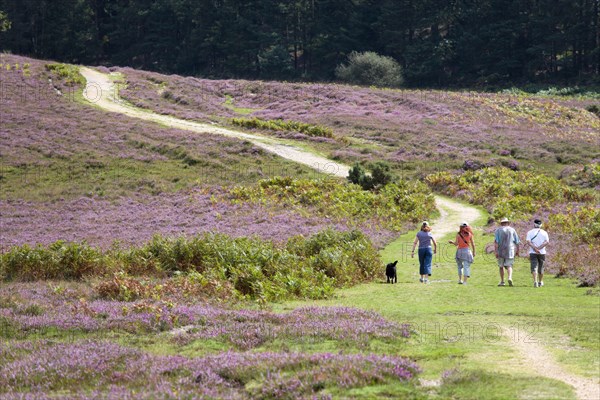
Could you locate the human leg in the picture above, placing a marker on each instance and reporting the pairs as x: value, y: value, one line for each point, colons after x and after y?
x: 422, y: 271
x: 459, y: 265
x: 533, y: 261
x: 428, y: 259
x: 466, y: 271
x: 541, y: 261
x: 501, y: 270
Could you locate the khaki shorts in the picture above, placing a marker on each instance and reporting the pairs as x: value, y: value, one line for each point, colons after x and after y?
x: 505, y: 262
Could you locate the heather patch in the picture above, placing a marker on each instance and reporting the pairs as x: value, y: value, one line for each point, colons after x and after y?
x: 103, y: 369
x: 53, y: 147
x: 458, y: 126
x: 134, y: 220
x: 80, y: 310
x: 74, y: 366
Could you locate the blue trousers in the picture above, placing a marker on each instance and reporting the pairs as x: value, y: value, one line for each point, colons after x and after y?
x: 425, y: 257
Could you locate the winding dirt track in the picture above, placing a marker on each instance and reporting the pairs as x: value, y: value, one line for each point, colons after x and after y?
x: 102, y: 92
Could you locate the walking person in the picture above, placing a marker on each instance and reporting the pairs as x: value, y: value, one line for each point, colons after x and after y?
x: 537, y: 239
x: 424, y: 239
x: 506, y: 247
x: 464, y: 256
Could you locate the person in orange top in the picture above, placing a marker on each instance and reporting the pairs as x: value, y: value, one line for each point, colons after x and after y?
x: 464, y: 255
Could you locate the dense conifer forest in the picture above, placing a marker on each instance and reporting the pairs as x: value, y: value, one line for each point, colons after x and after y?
x: 489, y: 43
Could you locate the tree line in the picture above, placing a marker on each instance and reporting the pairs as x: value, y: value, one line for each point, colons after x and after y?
x: 437, y: 42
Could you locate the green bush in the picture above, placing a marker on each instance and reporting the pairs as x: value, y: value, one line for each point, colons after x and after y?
x: 379, y: 177
x: 248, y: 267
x: 60, y: 260
x: 514, y: 194
x: 390, y: 207
x: 583, y: 224
x: 69, y: 73
x: 594, y: 109
x: 370, y: 68
x: 282, y: 125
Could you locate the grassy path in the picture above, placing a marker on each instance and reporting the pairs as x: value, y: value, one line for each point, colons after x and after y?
x: 474, y: 342
x: 482, y: 341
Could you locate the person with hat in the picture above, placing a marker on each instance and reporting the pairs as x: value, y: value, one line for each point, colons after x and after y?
x: 424, y: 239
x: 506, y: 247
x: 537, y: 239
x: 464, y: 256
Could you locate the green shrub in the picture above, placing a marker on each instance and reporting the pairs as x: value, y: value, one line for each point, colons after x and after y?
x: 505, y: 192
x: 583, y: 224
x: 390, y: 207
x: 282, y: 125
x: 69, y: 73
x: 370, y: 68
x: 379, y: 177
x: 60, y: 260
x: 212, y: 264
x: 594, y: 109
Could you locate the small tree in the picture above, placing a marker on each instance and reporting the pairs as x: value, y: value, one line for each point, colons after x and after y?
x: 358, y: 176
x: 370, y: 68
x: 380, y: 176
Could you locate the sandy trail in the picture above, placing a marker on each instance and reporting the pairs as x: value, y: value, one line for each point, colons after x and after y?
x: 535, y: 356
x: 101, y: 91
x: 452, y: 214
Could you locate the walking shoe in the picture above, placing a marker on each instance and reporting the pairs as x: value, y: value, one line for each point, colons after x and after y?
x: 501, y: 284
x: 426, y: 281
x: 460, y: 282
x: 510, y: 282
x: 540, y: 284
x: 535, y: 284
x: 421, y: 280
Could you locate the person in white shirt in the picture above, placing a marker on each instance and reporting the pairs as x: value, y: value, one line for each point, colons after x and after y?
x: 537, y: 239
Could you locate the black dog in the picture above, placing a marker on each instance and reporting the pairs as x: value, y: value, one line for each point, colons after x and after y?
x: 390, y: 272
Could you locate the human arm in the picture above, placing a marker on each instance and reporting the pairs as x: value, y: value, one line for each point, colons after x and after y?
x: 473, y: 245
x: 434, y: 245
x: 454, y: 242
x: 533, y: 246
x: 412, y: 254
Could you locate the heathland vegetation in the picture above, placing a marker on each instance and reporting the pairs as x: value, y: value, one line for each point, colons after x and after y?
x: 141, y: 261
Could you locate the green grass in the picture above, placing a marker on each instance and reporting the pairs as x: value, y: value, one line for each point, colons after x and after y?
x: 458, y: 327
x: 116, y: 177
x: 230, y: 104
